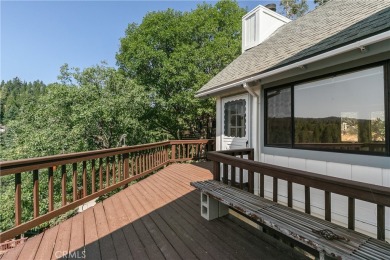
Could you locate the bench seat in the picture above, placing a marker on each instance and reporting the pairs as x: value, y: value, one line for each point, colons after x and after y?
x: 307, y: 230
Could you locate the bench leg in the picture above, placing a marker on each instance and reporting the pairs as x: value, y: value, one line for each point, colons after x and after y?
x: 210, y: 208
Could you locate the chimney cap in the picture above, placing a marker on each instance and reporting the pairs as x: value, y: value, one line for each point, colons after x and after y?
x: 271, y: 7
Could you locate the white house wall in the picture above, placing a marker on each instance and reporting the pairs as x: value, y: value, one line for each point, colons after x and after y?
x: 365, y: 212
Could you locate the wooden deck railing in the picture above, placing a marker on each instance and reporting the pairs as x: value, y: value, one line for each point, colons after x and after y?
x: 11, y: 244
x: 92, y: 174
x: 354, y: 190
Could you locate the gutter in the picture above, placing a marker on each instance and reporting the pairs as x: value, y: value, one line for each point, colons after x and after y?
x: 356, y: 45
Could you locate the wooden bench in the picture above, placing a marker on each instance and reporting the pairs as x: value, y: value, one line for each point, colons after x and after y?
x: 309, y: 232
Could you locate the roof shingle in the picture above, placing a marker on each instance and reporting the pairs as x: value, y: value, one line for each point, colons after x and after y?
x: 335, y: 24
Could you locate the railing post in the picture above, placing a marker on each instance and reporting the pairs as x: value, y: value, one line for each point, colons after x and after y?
x: 251, y: 177
x: 173, y: 152
x: 217, y: 171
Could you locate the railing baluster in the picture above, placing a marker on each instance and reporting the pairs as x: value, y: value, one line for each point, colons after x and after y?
x: 132, y: 166
x: 120, y: 168
x: 261, y: 185
x: 107, y: 172
x: 307, y: 200
x: 146, y: 161
x: 275, y: 189
x: 93, y: 179
x: 63, y: 184
x: 113, y: 170
x: 100, y: 173
x: 233, y: 176
x: 126, y: 165
x: 36, y: 193
x: 51, y: 189
x: 351, y: 213
x: 151, y: 161
x: 289, y: 194
x: 328, y: 209
x: 85, y: 179
x: 143, y: 163
x: 136, y: 165
x: 225, y: 173
x: 380, y: 222
x: 74, y: 181
x: 18, y: 199
x: 216, y: 171
x: 241, y: 173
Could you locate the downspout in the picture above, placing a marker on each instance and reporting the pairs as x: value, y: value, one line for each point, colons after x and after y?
x: 255, y: 131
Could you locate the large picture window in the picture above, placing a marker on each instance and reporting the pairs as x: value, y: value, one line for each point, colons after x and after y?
x: 340, y: 113
x: 235, y: 118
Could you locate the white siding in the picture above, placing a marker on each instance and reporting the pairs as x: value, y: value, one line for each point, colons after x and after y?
x: 365, y: 212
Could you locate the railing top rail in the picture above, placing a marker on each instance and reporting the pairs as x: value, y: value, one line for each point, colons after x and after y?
x: 17, y: 166
x: 195, y: 141
x: 354, y: 189
x: 236, y: 151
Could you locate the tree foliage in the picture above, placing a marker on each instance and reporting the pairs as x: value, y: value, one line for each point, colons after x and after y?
x: 320, y: 2
x: 172, y: 54
x: 91, y: 109
x: 15, y: 94
x: 294, y: 8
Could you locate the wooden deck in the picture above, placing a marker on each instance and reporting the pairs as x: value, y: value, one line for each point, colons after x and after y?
x: 156, y: 218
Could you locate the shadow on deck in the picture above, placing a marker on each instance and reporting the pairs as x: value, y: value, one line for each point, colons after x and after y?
x: 156, y: 218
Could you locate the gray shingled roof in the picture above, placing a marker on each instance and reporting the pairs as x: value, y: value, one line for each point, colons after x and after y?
x: 335, y: 24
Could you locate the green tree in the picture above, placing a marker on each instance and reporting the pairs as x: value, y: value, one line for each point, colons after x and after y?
x: 91, y: 109
x: 16, y: 93
x: 174, y: 53
x: 320, y: 2
x: 294, y: 8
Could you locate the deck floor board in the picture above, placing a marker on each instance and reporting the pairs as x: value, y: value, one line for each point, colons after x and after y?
x: 156, y: 218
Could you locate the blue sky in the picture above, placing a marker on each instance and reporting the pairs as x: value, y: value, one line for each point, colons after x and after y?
x: 37, y: 37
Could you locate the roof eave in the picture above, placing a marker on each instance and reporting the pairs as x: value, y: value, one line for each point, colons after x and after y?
x: 364, y: 42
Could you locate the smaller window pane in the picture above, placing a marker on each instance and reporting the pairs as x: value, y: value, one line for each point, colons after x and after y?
x: 233, y: 109
x: 239, y: 132
x: 232, y: 131
x: 240, y: 120
x: 279, y: 117
x: 233, y: 120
